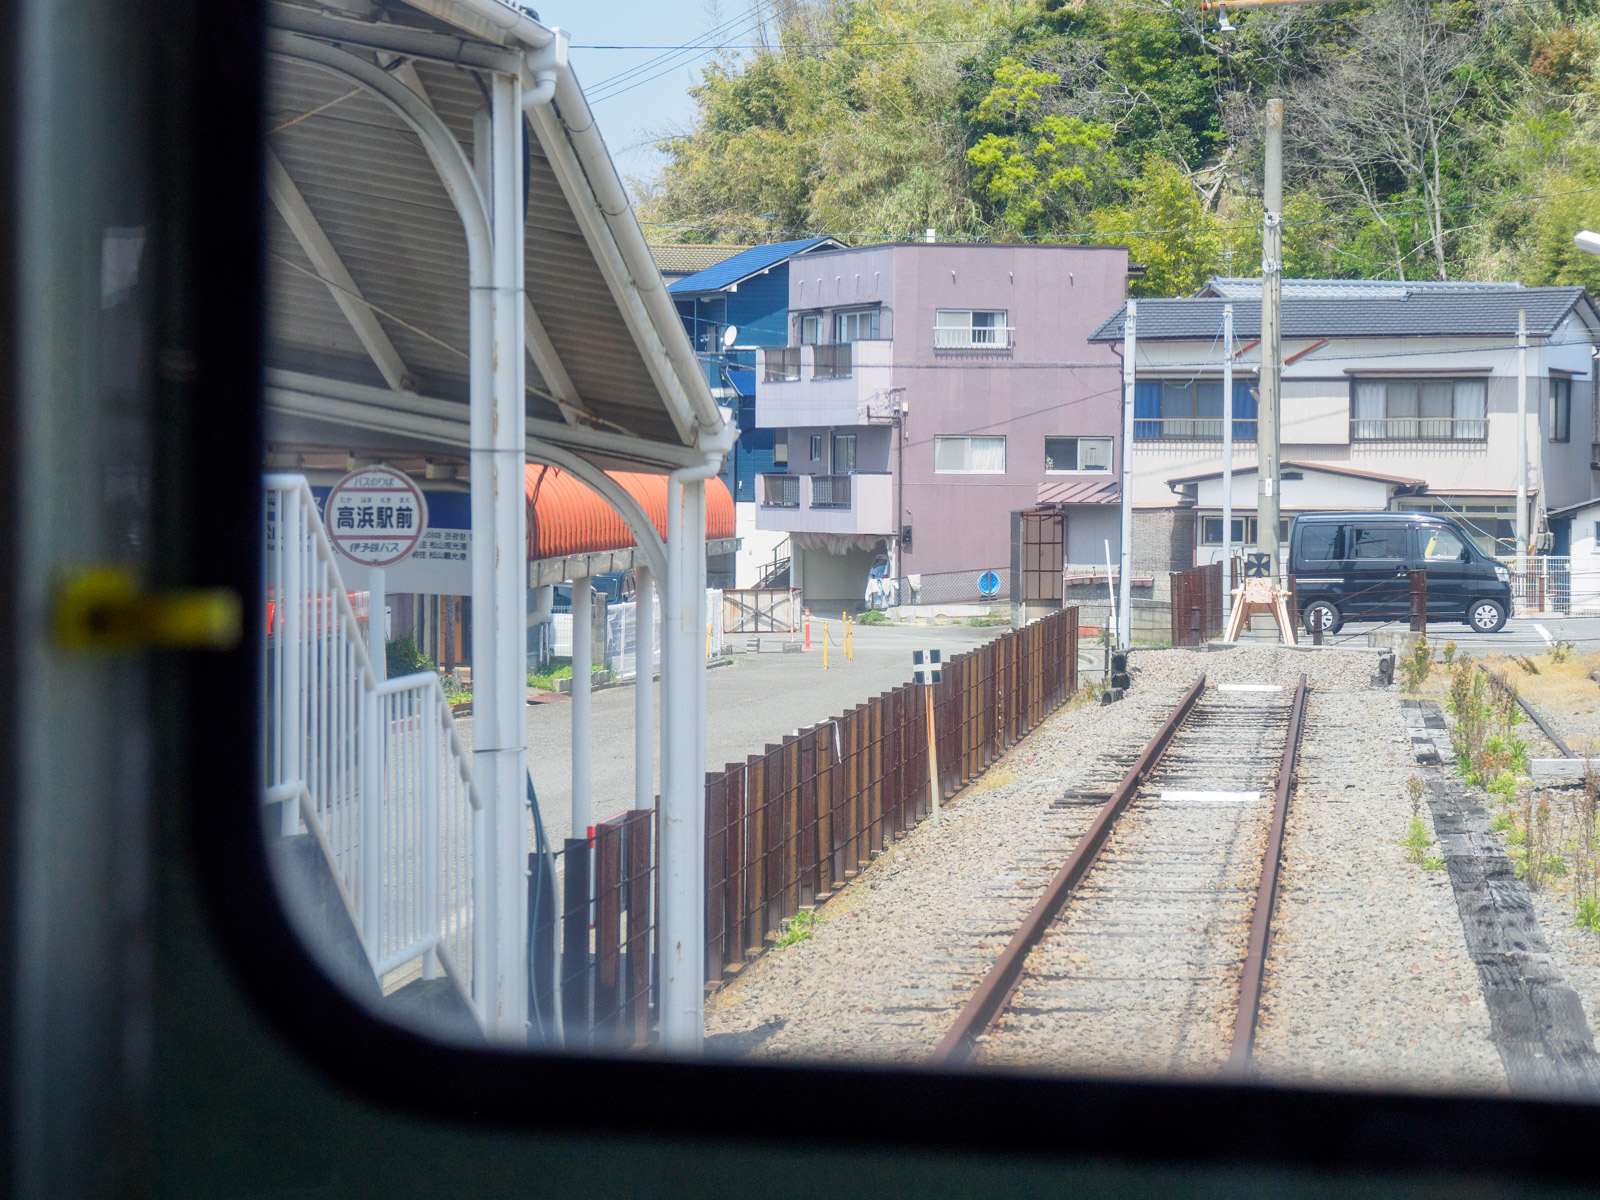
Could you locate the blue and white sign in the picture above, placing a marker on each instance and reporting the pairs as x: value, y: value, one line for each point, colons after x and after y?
x: 441, y: 564
x: 988, y: 585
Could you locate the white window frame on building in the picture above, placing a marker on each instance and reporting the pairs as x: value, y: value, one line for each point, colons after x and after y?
x: 1419, y: 409
x: 842, y: 454
x: 1560, y: 408
x: 1244, y: 530
x: 959, y: 452
x: 810, y: 328
x: 971, y: 329
x: 1070, y: 455
x: 855, y: 324
x: 816, y: 447
x: 1192, y: 411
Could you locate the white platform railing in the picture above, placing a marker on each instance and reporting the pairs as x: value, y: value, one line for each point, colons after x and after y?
x: 345, y: 753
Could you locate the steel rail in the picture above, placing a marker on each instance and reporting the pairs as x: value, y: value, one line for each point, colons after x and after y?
x: 1533, y: 713
x: 1001, y: 980
x: 1253, y: 979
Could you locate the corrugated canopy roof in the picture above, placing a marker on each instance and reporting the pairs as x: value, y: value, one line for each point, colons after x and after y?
x: 741, y: 266
x: 1424, y: 313
x: 565, y: 516
x: 1080, y: 491
x: 360, y: 213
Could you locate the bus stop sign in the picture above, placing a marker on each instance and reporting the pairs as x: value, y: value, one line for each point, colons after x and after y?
x: 376, y: 516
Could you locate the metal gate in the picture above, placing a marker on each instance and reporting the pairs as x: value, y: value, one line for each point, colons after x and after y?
x: 760, y: 610
x: 1044, y: 540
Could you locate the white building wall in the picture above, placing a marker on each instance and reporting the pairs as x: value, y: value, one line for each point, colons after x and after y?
x: 1316, y: 415
x: 756, y: 546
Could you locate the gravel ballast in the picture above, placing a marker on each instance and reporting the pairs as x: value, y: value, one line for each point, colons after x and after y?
x: 1369, y: 982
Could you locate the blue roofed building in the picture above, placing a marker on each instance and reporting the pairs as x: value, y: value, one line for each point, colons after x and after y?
x: 747, y: 294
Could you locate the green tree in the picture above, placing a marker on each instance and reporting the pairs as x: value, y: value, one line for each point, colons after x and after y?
x: 1043, y: 176
x: 1168, y: 229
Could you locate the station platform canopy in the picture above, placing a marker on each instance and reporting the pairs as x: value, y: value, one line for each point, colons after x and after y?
x: 368, y: 260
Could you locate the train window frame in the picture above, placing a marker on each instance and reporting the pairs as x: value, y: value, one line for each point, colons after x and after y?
x: 214, y: 723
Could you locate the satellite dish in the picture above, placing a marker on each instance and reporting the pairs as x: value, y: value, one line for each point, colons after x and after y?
x: 730, y: 335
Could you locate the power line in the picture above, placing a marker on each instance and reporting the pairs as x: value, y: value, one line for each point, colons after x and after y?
x: 723, y: 27
x: 687, y: 54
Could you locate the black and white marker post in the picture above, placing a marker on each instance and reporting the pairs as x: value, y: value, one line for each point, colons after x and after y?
x: 926, y: 674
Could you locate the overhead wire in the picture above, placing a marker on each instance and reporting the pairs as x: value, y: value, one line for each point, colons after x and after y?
x: 715, y: 31
x: 711, y: 44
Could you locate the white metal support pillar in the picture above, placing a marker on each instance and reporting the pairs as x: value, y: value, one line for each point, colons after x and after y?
x: 1227, y: 466
x: 644, y: 656
x: 1130, y: 345
x: 499, y: 553
x: 1522, y: 441
x: 682, y: 847
x: 582, y: 727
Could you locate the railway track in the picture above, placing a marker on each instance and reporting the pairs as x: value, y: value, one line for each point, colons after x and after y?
x: 1147, y: 949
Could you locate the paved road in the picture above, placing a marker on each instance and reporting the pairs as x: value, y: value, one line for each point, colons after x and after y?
x: 761, y: 698
x: 1521, y: 635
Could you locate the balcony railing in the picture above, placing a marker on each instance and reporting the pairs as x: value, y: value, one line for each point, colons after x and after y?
x: 1190, y: 429
x: 1419, y: 429
x: 831, y: 362
x: 830, y: 491
x: 780, y: 491
x: 991, y: 337
x: 781, y: 363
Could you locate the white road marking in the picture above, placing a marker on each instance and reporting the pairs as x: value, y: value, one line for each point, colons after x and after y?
x: 1545, y: 634
x: 1210, y: 797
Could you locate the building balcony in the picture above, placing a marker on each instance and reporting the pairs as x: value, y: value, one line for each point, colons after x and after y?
x: 841, y: 384
x: 1190, y: 429
x: 980, y: 337
x: 856, y: 503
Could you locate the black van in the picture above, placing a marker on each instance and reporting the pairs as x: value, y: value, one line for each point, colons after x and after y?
x: 1354, y: 566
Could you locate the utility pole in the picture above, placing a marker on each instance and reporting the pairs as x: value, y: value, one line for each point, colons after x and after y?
x: 1125, y: 583
x: 1268, y: 482
x: 1227, y: 463
x: 1522, y: 440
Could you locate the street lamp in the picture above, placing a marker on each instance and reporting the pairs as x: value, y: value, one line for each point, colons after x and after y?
x: 1588, y: 242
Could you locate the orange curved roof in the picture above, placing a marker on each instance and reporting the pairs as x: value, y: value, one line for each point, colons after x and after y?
x: 566, y: 516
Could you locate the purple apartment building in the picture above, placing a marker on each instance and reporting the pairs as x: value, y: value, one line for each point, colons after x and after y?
x: 928, y: 391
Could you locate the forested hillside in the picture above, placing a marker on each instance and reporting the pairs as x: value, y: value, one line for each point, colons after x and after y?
x: 1445, y: 140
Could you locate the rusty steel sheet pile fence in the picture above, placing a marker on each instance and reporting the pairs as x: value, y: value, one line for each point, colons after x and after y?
x: 788, y: 827
x: 608, y: 918
x: 1197, y: 604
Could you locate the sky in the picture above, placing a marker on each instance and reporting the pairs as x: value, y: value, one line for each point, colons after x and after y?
x: 635, y: 110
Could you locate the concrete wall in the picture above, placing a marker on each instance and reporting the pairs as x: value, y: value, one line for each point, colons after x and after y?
x: 1163, y: 540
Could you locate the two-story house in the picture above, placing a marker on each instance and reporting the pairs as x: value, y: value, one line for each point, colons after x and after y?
x: 927, y: 392
x: 731, y: 309
x: 1395, y: 396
